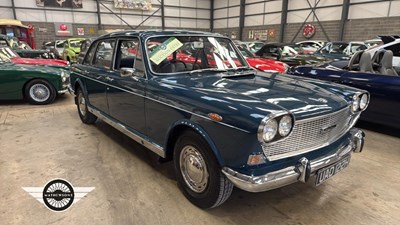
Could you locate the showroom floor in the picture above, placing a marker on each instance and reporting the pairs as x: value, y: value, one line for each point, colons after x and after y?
x: 40, y: 143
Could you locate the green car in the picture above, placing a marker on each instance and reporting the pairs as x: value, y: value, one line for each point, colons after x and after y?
x: 72, y: 47
x: 37, y: 84
x: 23, y: 49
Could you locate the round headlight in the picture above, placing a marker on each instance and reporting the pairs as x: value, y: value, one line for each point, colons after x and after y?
x: 270, y: 129
x: 363, y: 101
x: 285, y: 125
x: 355, y: 105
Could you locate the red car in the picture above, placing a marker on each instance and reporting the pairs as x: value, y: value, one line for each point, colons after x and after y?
x: 262, y: 64
x: 6, y: 52
x: 266, y: 65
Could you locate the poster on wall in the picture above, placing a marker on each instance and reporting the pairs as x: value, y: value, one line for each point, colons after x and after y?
x: 144, y: 5
x: 272, y: 33
x: 63, y: 29
x: 80, y: 31
x: 261, y: 35
x: 60, y: 3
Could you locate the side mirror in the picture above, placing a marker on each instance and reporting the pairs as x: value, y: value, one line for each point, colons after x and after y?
x: 127, y: 72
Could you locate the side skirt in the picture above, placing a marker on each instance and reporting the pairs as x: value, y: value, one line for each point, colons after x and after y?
x: 146, y: 143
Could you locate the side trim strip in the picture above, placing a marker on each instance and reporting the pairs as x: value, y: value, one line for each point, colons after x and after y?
x: 150, y: 145
x: 204, y: 117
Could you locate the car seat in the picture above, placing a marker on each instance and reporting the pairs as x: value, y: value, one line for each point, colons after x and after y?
x: 377, y: 58
x: 354, y: 61
x: 387, y: 64
x: 366, y: 63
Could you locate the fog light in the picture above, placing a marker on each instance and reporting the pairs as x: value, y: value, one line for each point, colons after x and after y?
x: 256, y: 159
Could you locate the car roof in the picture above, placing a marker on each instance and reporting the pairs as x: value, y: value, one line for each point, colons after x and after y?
x: 384, y: 46
x: 149, y: 33
x: 76, y: 39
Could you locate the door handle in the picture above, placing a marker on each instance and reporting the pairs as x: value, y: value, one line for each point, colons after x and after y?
x: 109, y: 79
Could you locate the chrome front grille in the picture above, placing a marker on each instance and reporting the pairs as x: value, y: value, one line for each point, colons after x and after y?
x: 310, y: 134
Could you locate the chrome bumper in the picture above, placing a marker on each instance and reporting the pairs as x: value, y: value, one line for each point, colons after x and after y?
x: 299, y: 172
x: 62, y: 91
x: 71, y: 90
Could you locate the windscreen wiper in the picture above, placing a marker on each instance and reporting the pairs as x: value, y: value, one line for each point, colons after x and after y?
x: 208, y: 69
x: 245, y: 71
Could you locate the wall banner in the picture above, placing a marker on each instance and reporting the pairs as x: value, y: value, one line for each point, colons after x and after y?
x: 60, y: 3
x: 144, y: 5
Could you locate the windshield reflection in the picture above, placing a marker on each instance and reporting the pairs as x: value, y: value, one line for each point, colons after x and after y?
x: 183, y: 54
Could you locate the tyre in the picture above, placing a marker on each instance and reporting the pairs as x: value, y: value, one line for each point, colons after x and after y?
x: 40, y: 92
x: 86, y: 116
x: 198, y: 173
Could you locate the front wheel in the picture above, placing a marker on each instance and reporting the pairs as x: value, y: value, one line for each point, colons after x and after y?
x: 40, y: 92
x: 198, y: 173
x: 86, y: 116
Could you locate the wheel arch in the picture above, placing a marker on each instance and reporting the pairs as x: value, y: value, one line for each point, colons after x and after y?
x: 78, y: 84
x: 179, y: 128
x: 36, y: 78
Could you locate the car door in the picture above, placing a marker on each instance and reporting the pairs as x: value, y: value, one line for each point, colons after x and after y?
x: 125, y: 94
x: 95, y: 70
x: 385, y: 95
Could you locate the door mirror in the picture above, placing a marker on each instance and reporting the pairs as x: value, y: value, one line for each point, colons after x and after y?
x: 127, y: 72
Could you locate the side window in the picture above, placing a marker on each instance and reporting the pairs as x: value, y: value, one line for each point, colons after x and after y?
x: 89, y: 55
x: 104, y: 53
x: 395, y: 49
x: 129, y: 55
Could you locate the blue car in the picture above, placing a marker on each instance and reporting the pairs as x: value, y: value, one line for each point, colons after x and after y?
x: 375, y: 75
x: 222, y: 123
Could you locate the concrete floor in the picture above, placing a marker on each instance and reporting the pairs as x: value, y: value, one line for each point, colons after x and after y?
x: 40, y: 143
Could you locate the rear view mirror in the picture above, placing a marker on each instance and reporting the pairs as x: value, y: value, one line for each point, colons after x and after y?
x: 127, y: 72
x: 197, y: 45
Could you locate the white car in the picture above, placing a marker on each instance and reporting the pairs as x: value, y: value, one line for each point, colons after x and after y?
x: 374, y: 42
x: 311, y: 45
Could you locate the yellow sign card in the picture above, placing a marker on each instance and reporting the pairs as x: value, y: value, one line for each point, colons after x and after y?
x: 165, y: 49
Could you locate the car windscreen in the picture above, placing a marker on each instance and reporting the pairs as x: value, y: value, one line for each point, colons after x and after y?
x: 3, y: 43
x: 173, y: 54
x: 60, y: 44
x: 246, y: 53
x: 24, y: 45
x: 357, y: 47
x: 75, y: 44
x: 5, y: 55
x: 338, y: 48
x: 9, y: 53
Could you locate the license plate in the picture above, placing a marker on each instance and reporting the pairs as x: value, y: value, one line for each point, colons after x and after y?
x: 328, y: 172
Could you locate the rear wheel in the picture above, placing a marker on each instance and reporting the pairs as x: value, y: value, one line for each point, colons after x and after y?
x: 86, y: 116
x: 40, y: 92
x: 198, y: 173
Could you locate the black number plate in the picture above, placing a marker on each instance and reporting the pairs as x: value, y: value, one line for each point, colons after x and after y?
x: 328, y: 172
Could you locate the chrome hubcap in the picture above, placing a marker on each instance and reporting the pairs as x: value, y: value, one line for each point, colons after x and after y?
x: 39, y: 92
x: 82, y: 104
x: 193, y: 169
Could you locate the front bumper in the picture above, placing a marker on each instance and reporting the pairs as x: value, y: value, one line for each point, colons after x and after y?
x: 71, y: 90
x: 299, y: 172
x: 63, y: 91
